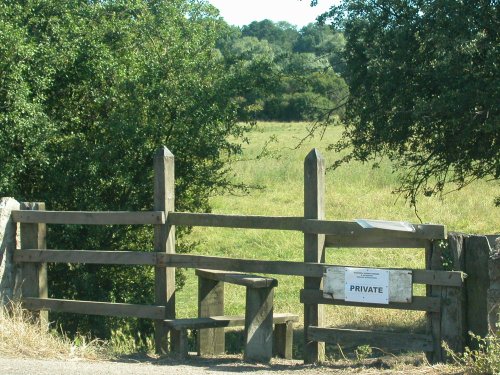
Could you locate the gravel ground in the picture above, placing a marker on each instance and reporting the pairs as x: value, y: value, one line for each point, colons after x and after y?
x: 197, y: 366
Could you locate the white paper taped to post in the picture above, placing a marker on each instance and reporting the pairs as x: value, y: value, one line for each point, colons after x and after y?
x: 368, y: 285
x: 399, y: 226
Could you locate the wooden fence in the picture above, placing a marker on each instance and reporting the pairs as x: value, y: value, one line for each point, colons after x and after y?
x: 443, y: 302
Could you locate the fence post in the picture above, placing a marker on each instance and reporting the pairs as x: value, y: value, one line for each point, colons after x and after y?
x: 8, y: 244
x: 314, y: 249
x: 453, y: 307
x: 477, y: 283
x: 34, y: 275
x: 433, y: 261
x: 164, y: 242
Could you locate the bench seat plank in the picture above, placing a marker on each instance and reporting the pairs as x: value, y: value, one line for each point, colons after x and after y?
x: 237, y: 278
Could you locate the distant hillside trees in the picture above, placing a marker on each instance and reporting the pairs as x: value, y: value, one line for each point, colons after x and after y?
x: 302, y: 80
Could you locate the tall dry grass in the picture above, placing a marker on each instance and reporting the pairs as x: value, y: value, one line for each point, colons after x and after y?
x: 22, y: 337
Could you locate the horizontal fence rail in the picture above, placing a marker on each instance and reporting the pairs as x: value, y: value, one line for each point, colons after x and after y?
x: 277, y: 267
x: 95, y: 308
x: 392, y: 341
x: 347, y: 229
x: 418, y: 303
x: 89, y: 217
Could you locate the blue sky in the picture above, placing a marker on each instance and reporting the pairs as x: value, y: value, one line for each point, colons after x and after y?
x: 242, y: 12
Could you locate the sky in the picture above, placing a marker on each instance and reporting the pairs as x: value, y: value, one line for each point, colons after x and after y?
x: 296, y: 12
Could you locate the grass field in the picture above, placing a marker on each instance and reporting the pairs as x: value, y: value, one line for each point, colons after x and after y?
x: 353, y: 191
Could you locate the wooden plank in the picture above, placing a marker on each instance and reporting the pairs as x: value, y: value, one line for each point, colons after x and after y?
x: 392, y: 341
x: 418, y: 303
x: 445, y: 278
x: 86, y: 256
x: 244, y: 279
x: 34, y: 275
x: 346, y: 230
x: 210, y: 303
x: 164, y: 243
x: 235, y: 221
x: 373, y: 240
x: 314, y: 248
x: 259, y: 324
x: 89, y: 217
x: 337, y: 229
x: 278, y: 267
x: 223, y: 321
x: 95, y: 308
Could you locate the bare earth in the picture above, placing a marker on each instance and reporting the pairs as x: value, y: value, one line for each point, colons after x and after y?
x: 197, y: 366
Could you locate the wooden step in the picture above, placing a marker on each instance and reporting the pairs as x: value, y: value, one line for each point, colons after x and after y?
x: 222, y: 321
x: 252, y: 281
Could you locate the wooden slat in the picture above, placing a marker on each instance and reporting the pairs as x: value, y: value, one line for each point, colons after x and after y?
x: 235, y: 221
x: 89, y: 217
x: 251, y: 281
x: 392, y: 341
x: 347, y: 229
x: 277, y: 267
x: 95, y: 308
x: 86, y: 256
x: 354, y: 231
x: 223, y: 321
x: 418, y: 303
x: 375, y: 240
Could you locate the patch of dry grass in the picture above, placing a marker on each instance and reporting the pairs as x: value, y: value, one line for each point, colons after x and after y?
x: 22, y: 337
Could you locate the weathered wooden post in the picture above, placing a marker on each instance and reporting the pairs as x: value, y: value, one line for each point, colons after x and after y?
x: 8, y: 244
x: 259, y: 323
x: 211, y: 341
x: 314, y: 248
x: 164, y: 242
x: 477, y: 254
x: 433, y: 261
x: 34, y: 275
x: 494, y: 290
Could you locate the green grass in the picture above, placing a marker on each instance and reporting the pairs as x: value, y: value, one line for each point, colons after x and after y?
x: 352, y: 191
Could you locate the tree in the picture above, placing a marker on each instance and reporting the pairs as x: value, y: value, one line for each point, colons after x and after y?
x: 424, y: 79
x: 88, y: 91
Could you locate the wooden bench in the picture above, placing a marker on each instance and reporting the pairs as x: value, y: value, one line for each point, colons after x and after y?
x: 258, y: 320
x: 282, y: 335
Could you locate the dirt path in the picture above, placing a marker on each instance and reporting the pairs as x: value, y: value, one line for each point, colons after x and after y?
x: 195, y: 366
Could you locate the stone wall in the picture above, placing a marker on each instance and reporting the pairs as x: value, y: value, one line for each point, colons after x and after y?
x: 9, y: 240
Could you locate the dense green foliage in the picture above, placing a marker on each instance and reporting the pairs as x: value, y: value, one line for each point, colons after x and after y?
x: 424, y: 80
x: 300, y: 70
x: 88, y: 91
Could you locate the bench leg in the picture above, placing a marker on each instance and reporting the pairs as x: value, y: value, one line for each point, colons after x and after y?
x: 211, y: 341
x: 180, y: 342
x: 283, y: 340
x: 259, y: 324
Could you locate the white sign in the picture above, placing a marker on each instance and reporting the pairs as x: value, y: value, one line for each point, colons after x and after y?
x: 368, y: 285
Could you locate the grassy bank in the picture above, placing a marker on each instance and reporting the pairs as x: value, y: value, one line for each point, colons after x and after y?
x: 352, y: 191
